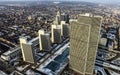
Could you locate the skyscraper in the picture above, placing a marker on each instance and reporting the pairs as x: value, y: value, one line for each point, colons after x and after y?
x: 44, y: 40
x: 56, y: 34
x: 84, y: 38
x: 64, y: 29
x: 61, y: 17
x: 58, y: 18
x: 27, y: 50
x: 65, y: 17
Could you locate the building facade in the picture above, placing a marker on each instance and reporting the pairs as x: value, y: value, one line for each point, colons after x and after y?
x: 56, y: 34
x: 44, y: 40
x: 84, y: 39
x: 65, y: 29
x: 27, y: 51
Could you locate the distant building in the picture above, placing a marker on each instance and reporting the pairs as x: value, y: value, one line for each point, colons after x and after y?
x: 86, y: 14
x: 65, y: 17
x: 56, y: 34
x: 103, y: 41
x: 84, y: 38
x: 58, y: 18
x: 29, y: 17
x: 44, y: 40
x: 64, y: 29
x: 61, y: 17
x: 27, y: 50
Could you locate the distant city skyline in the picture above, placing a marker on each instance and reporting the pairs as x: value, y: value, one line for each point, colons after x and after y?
x: 94, y: 1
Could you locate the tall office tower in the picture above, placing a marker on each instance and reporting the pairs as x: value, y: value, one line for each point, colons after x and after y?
x: 84, y: 38
x: 64, y: 29
x: 27, y: 50
x: 56, y: 34
x: 65, y: 17
x: 44, y: 40
x: 58, y: 18
x: 61, y: 17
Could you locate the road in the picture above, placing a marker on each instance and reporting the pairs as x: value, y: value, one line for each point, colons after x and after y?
x: 107, y: 65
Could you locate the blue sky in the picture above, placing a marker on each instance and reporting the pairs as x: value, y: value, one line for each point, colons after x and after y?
x: 98, y: 1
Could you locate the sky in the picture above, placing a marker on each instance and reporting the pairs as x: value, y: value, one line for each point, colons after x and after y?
x: 95, y: 1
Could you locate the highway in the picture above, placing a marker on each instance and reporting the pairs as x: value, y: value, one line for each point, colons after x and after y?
x: 107, y: 65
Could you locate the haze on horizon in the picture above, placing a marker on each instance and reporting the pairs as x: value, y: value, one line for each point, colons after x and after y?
x: 93, y: 1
